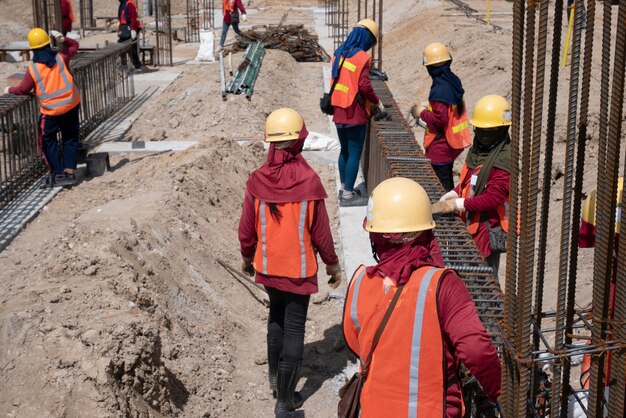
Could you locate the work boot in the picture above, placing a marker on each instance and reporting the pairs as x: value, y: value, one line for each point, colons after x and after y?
x: 274, y: 350
x: 287, y: 399
x: 65, y: 180
x: 352, y: 199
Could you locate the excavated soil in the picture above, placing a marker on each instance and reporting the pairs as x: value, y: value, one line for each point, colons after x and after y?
x: 112, y: 302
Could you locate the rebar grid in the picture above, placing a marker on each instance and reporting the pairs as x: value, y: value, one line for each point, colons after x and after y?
x: 208, y: 10
x: 391, y: 151
x: 192, y: 19
x: 164, y: 35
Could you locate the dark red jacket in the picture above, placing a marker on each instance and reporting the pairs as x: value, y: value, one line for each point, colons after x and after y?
x: 465, y: 339
x: 494, y: 194
x: 439, y: 152
x: 238, y: 6
x: 130, y: 16
x: 66, y: 24
x: 321, y: 238
x: 356, y: 113
x: 28, y: 84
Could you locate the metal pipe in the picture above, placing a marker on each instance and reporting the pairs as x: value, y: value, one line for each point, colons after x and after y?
x: 222, y: 77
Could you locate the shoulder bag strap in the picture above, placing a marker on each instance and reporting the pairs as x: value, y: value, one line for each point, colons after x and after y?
x: 381, y: 328
x: 332, y: 88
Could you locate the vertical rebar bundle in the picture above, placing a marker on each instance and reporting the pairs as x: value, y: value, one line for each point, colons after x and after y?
x: 192, y: 33
x: 164, y: 34
x: 87, y: 18
x: 208, y: 10
x: 47, y: 14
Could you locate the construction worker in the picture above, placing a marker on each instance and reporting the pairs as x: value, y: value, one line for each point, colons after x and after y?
x: 59, y: 99
x: 351, y: 100
x: 482, y: 195
x: 67, y: 16
x: 445, y: 114
x: 231, y: 10
x: 284, y: 224
x: 434, y: 325
x: 129, y: 28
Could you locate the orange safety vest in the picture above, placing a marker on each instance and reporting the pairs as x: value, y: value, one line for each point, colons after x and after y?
x: 347, y: 86
x: 457, y: 130
x: 54, y: 88
x: 405, y: 377
x: 285, y: 248
x: 228, y: 7
x: 467, y: 191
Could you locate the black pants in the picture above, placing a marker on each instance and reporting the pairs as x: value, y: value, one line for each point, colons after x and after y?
x: 444, y: 172
x: 494, y: 261
x: 134, y: 51
x: 68, y: 124
x: 287, y: 320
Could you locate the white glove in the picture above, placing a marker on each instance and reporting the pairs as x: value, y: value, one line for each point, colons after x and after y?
x: 244, y: 17
x: 450, y: 195
x: 460, y: 205
x: 6, y: 90
x: 133, y: 34
x: 381, y: 106
x: 58, y: 36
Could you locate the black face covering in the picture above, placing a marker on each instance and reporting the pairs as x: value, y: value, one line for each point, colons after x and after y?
x: 488, y: 139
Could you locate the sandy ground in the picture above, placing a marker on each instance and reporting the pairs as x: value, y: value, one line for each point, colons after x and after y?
x: 112, y: 302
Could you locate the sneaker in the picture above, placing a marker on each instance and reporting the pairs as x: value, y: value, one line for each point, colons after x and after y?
x: 65, y: 180
x: 357, y: 191
x: 354, y: 200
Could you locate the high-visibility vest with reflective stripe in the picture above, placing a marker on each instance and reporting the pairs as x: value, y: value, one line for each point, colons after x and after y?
x: 54, y: 88
x: 347, y: 86
x: 457, y: 130
x: 284, y: 247
x: 405, y: 377
x: 467, y: 191
x: 228, y: 7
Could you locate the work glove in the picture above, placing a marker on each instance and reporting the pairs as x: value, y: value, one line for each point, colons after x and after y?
x: 6, y: 90
x: 384, y: 115
x: 244, y: 17
x: 450, y: 195
x: 334, y: 271
x: 58, y: 37
x: 448, y: 206
x: 247, y: 267
x: 417, y: 109
x: 381, y: 106
x: 133, y: 34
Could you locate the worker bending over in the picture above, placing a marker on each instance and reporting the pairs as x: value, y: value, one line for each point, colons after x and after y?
x: 433, y: 325
x: 482, y: 195
x: 283, y: 226
x: 445, y: 114
x: 50, y: 77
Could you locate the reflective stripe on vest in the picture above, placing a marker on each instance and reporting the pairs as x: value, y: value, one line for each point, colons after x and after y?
x: 54, y: 87
x: 347, y: 86
x: 285, y: 247
x: 457, y: 131
x: 467, y: 191
x: 406, y: 376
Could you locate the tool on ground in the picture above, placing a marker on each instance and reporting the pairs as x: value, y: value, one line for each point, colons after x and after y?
x: 244, y: 280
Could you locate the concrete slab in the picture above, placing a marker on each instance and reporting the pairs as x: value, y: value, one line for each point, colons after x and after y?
x: 150, y: 146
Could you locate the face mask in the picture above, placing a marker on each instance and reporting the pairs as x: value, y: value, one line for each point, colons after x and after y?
x: 487, y: 139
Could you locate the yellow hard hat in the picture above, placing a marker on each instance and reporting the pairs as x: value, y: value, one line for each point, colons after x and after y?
x: 398, y: 205
x: 491, y: 111
x: 589, y: 206
x: 435, y: 53
x: 370, y: 25
x: 283, y: 125
x: 38, y: 38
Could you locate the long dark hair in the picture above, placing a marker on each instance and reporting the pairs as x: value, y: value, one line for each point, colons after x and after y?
x: 275, y: 212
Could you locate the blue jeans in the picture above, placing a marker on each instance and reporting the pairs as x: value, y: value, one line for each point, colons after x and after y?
x: 69, y: 126
x: 351, y: 140
x: 225, y: 31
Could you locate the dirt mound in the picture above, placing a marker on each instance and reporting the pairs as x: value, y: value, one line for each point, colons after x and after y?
x: 193, y: 106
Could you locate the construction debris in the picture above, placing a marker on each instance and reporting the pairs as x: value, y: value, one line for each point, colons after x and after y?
x: 247, y: 71
x: 296, y: 40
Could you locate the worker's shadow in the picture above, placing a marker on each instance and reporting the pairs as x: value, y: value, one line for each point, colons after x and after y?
x: 324, y: 359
